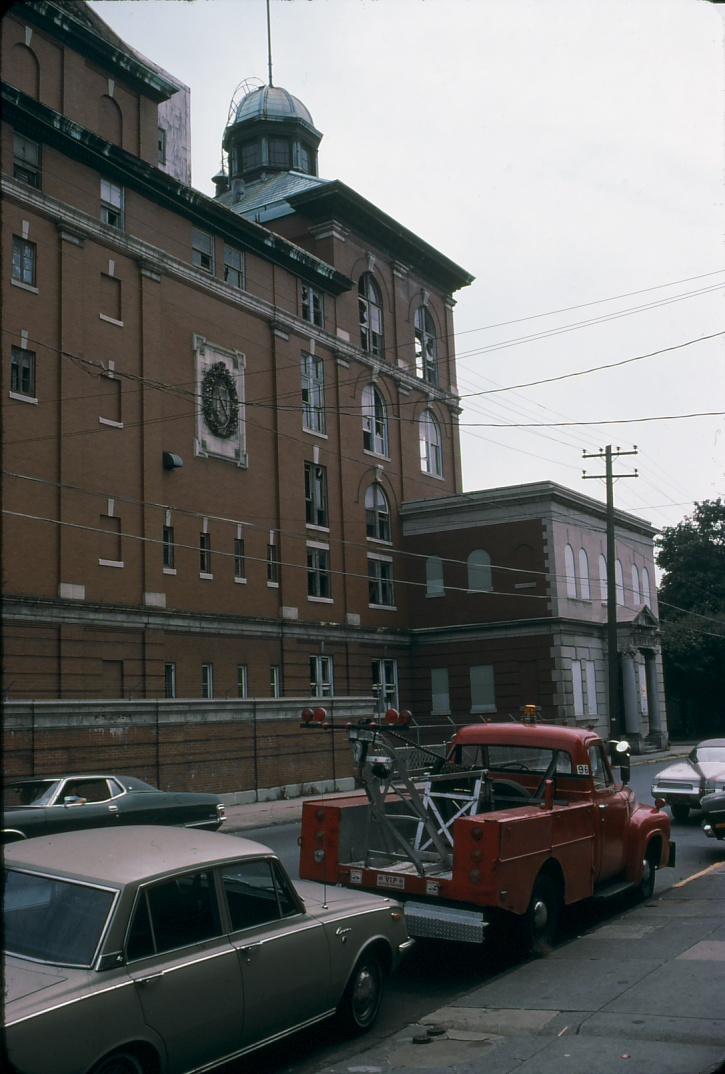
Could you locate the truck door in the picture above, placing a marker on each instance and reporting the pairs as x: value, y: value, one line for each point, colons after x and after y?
x: 611, y: 817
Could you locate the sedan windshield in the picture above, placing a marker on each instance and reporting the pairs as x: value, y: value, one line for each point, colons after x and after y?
x: 35, y: 792
x: 709, y: 754
x: 53, y: 920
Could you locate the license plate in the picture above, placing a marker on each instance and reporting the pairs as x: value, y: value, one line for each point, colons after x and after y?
x: 397, y: 882
x: 361, y: 734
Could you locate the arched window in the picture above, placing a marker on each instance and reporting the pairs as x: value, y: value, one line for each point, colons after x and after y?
x: 24, y: 71
x: 434, y: 586
x: 584, y: 587
x: 569, y: 571
x: 646, y: 592
x: 619, y: 582
x: 431, y: 450
x: 426, y: 346
x: 370, y: 307
x: 479, y: 572
x: 110, y: 120
x: 635, y: 586
x: 374, y: 421
x: 602, y: 577
x: 377, y: 513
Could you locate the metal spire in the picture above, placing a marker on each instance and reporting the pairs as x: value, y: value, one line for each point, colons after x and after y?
x: 269, y: 44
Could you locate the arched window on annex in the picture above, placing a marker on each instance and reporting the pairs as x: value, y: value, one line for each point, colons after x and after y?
x: 646, y: 592
x: 370, y: 310
x: 434, y: 584
x: 619, y: 582
x: 377, y: 513
x: 431, y: 444
x: 635, y: 586
x: 426, y: 347
x: 374, y: 422
x: 480, y: 579
x: 584, y: 584
x: 24, y: 70
x: 110, y: 120
x: 602, y: 577
x: 569, y: 571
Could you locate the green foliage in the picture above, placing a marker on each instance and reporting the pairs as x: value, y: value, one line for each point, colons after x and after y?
x: 692, y: 557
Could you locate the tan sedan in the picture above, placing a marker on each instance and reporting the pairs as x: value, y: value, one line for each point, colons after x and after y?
x: 157, y: 950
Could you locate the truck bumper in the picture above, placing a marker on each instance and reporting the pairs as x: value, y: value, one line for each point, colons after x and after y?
x: 425, y: 921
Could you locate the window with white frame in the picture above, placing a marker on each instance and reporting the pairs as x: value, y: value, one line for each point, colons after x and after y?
x: 385, y: 683
x: 24, y: 261
x: 202, y: 250
x: 635, y: 586
x: 483, y: 691
x: 313, y: 393
x: 440, y: 693
x: 584, y: 687
x: 22, y: 372
x: 272, y: 565
x: 370, y: 309
x: 431, y: 449
x: 275, y: 680
x: 161, y: 144
x: 619, y: 582
x: 233, y: 266
x: 240, y: 569
x: 434, y: 585
x: 170, y: 680
x: 321, y: 676
x: 242, y: 680
x: 380, y: 582
x: 111, y: 204
x: 312, y: 305
x: 207, y: 681
x: 426, y: 346
x: 480, y: 579
x: 316, y: 512
x: 26, y: 160
x: 318, y: 572
x: 646, y: 592
x: 602, y: 577
x: 169, y: 548
x: 374, y: 421
x: 584, y: 585
x: 205, y: 553
x: 377, y: 513
x: 569, y: 571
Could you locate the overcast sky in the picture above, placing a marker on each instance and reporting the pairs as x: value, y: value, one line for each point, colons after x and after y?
x: 565, y: 152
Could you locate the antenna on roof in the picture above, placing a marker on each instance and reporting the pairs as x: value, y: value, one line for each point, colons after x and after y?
x: 269, y: 43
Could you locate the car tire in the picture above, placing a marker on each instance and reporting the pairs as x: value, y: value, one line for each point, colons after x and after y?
x: 646, y: 886
x: 541, y: 920
x: 364, y: 994
x: 121, y: 1062
x: 680, y: 811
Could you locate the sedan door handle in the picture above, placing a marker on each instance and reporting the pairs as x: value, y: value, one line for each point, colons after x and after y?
x: 248, y: 949
x: 113, y: 809
x: 150, y: 977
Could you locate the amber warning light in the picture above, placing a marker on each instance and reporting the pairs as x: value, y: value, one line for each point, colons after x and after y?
x: 314, y: 716
x: 393, y: 718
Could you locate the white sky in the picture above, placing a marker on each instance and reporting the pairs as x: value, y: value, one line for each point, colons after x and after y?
x: 564, y: 152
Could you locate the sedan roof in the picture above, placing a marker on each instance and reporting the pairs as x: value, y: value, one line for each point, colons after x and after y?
x: 129, y: 783
x: 119, y: 856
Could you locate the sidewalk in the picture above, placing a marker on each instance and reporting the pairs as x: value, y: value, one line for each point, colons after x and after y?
x: 641, y: 994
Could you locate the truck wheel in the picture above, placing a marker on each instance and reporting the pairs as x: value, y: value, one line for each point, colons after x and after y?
x: 680, y: 811
x: 363, y: 995
x: 542, y: 917
x: 646, y: 888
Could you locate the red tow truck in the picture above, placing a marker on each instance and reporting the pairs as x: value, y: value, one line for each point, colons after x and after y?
x: 516, y: 821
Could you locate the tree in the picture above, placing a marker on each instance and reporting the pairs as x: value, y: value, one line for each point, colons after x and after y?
x: 692, y: 613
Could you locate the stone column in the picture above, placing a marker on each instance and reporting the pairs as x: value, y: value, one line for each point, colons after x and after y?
x: 657, y: 728
x: 632, y: 723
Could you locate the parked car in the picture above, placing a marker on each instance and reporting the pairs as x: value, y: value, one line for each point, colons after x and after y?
x: 48, y: 804
x: 713, y: 814
x: 683, y: 784
x: 155, y: 950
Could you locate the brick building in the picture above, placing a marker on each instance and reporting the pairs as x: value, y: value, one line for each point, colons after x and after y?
x: 224, y: 418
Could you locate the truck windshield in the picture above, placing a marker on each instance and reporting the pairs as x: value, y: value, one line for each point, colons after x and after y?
x: 52, y: 920
x: 514, y: 758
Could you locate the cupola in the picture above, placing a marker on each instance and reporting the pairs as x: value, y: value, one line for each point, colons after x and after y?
x: 270, y: 131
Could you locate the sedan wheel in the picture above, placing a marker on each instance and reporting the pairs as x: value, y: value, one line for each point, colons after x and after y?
x: 363, y: 995
x: 680, y: 811
x: 120, y: 1063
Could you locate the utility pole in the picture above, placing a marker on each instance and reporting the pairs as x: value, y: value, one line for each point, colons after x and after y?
x: 612, y: 662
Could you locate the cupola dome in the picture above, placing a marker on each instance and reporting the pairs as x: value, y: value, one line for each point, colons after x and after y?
x: 271, y: 131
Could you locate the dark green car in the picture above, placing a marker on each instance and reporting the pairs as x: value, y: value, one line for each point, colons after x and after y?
x: 49, y: 804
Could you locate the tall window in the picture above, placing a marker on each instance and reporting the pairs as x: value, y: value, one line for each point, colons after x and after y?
x: 434, y: 586
x: 316, y: 513
x: 202, y: 250
x: 321, y: 676
x: 431, y: 450
x: 479, y: 572
x: 169, y: 548
x: 380, y: 582
x: 569, y: 571
x: 313, y: 393
x: 374, y: 421
x: 275, y: 680
x: 279, y: 152
x: 370, y: 307
x: 602, y: 577
x: 240, y: 570
x: 646, y: 593
x: 377, y: 513
x: 440, y: 692
x: 207, y: 681
x: 312, y: 305
x: 483, y: 691
x: 584, y: 687
x: 24, y: 261
x: 584, y: 586
x: 619, y: 582
x: 26, y: 160
x: 385, y: 683
x: 318, y: 572
x: 272, y: 565
x: 205, y: 553
x: 242, y: 681
x: 111, y: 204
x: 233, y: 266
x: 169, y: 680
x: 22, y: 372
x: 426, y: 347
x: 161, y: 144
x: 635, y: 586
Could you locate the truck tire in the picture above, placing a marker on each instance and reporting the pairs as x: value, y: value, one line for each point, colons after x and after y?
x: 646, y: 886
x: 541, y: 920
x: 680, y: 811
x: 364, y: 993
